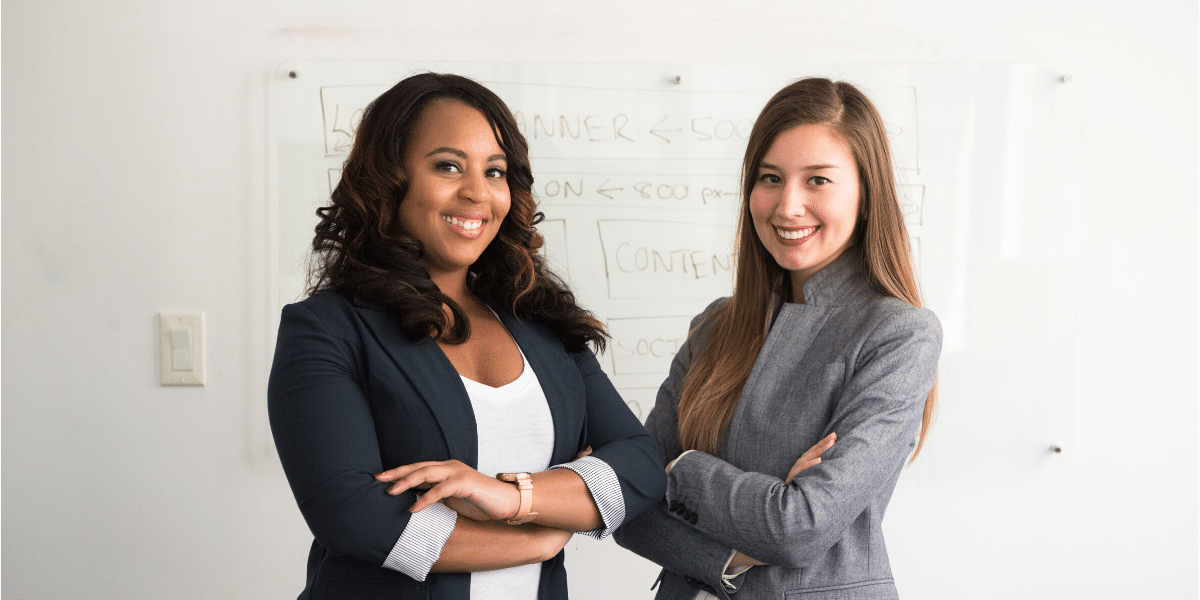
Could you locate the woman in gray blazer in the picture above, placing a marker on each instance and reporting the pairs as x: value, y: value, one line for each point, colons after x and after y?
x: 823, y: 337
x: 436, y: 353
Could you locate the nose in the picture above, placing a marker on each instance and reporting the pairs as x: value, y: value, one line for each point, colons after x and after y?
x: 474, y: 187
x: 792, y: 201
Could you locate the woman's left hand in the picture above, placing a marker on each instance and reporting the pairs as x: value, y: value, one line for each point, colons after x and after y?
x: 466, y: 490
x: 812, y: 456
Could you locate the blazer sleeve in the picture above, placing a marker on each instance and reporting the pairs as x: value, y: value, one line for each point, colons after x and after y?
x: 325, y: 434
x: 619, y: 439
x: 791, y: 523
x: 655, y: 534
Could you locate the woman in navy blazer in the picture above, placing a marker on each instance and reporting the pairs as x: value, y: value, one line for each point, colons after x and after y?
x: 823, y: 337
x: 429, y: 297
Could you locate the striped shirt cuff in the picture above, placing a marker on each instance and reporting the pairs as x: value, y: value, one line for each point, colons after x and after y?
x: 732, y: 573
x: 602, y: 483
x: 422, y: 541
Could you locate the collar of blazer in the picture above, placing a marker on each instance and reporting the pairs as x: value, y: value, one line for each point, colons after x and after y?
x: 440, y: 387
x: 840, y: 283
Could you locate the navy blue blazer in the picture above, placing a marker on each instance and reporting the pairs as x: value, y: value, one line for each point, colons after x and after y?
x: 350, y: 396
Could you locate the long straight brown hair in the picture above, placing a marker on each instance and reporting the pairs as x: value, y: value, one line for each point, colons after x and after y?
x: 739, y: 326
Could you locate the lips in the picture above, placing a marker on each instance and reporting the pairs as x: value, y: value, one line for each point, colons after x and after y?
x: 469, y: 227
x: 796, y: 234
x: 466, y: 224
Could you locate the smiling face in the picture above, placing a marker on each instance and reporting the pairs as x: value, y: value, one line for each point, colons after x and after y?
x: 804, y: 203
x: 457, y: 189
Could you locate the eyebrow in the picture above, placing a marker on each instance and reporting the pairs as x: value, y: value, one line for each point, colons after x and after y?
x: 463, y: 155
x: 807, y: 168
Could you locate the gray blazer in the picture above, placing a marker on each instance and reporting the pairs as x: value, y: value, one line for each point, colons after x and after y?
x: 850, y: 361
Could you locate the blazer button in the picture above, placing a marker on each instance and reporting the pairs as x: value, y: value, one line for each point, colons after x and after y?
x: 674, y: 506
x: 692, y: 518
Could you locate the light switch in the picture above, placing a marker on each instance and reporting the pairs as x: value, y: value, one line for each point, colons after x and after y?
x: 181, y: 349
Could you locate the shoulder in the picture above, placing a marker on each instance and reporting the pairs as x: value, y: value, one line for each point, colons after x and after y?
x: 705, y: 317
x: 894, y: 313
x: 322, y: 302
x: 327, y: 310
x: 888, y: 326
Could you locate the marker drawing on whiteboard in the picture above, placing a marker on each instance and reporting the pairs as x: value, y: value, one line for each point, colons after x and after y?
x: 603, y: 191
x: 646, y: 344
x: 591, y: 128
x: 655, y: 130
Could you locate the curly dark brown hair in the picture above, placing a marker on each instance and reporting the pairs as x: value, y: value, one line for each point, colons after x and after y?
x: 362, y: 250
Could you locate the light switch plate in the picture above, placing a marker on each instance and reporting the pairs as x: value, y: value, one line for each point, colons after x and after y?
x: 181, y: 349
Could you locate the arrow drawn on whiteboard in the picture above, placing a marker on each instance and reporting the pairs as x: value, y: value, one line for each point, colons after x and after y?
x: 601, y: 190
x: 654, y: 130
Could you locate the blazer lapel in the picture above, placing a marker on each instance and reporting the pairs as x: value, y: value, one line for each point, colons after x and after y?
x: 431, y: 374
x: 553, y: 367
x: 792, y: 333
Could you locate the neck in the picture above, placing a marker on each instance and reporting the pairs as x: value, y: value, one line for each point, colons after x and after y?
x: 453, y: 285
x: 797, y: 283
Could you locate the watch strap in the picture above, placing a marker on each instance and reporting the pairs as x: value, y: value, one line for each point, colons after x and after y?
x: 524, y: 483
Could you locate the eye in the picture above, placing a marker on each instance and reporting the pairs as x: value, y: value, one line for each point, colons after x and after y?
x: 769, y: 178
x: 448, y: 166
x: 818, y: 180
x: 497, y: 173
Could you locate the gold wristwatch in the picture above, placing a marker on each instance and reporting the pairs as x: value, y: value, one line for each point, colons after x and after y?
x: 524, y: 483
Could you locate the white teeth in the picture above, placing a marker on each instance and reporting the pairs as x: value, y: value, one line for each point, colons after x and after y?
x: 795, y: 235
x: 465, y: 224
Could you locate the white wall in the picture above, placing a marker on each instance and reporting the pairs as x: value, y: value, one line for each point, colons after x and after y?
x: 135, y: 182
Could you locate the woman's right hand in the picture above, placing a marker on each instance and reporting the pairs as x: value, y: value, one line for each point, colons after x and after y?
x: 462, y: 488
x: 811, y: 457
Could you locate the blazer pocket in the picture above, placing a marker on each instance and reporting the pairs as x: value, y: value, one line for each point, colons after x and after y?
x: 884, y: 589
x: 375, y: 589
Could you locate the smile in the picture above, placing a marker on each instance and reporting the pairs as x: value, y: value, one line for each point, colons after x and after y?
x: 467, y: 224
x: 795, y: 234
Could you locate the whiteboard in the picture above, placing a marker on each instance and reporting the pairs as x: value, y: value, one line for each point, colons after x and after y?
x: 637, y: 170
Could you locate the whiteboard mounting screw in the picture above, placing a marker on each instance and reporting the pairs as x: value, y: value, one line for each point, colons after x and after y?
x: 1056, y: 449
x: 678, y: 79
x: 1066, y: 78
x: 292, y: 74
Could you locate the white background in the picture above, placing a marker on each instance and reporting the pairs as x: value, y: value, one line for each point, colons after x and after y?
x: 136, y: 162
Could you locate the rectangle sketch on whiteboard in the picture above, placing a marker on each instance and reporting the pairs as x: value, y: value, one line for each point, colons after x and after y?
x: 660, y: 259
x: 646, y: 344
x: 898, y: 105
x: 637, y: 169
x: 912, y: 202
x: 554, y: 247
x: 640, y: 400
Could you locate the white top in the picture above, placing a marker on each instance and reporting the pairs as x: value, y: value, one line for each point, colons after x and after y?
x: 516, y: 434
